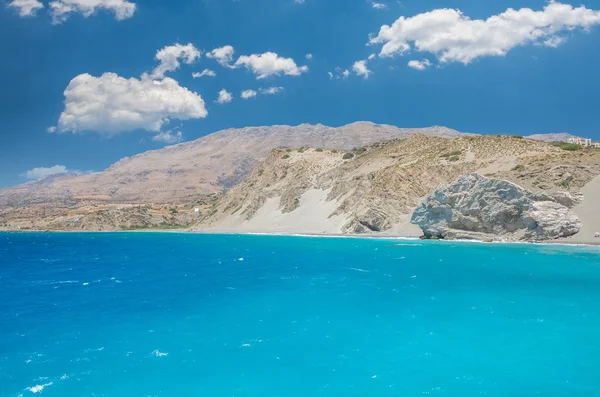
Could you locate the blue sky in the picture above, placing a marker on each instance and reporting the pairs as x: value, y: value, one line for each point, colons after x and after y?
x: 526, y: 73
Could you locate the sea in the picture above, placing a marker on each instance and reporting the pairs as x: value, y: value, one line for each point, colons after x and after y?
x: 176, y: 314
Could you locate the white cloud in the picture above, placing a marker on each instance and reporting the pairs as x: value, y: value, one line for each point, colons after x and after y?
x: 168, y: 137
x: 339, y: 73
x: 224, y: 97
x: 308, y: 56
x: 454, y: 37
x: 247, y: 94
x: 419, y: 65
x: 51, y: 129
x: 372, y: 56
x: 26, y: 8
x: 170, y: 56
x: 378, y: 6
x: 111, y: 104
x: 205, y: 72
x: 42, y: 172
x: 271, y: 90
x: 62, y: 9
x: 554, y: 41
x: 223, y: 55
x: 299, y: 1
x: 360, y: 68
x: 270, y: 64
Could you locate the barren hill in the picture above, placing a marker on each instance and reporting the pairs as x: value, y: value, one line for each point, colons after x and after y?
x: 210, y: 164
x: 376, y: 189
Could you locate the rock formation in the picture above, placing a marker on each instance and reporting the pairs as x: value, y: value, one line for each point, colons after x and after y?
x: 474, y: 206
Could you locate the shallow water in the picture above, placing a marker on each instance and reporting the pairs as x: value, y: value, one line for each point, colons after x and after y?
x: 166, y: 314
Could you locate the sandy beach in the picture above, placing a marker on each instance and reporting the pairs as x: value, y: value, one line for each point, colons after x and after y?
x: 588, y: 212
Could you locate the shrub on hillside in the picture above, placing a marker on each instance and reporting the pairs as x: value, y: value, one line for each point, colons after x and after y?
x: 348, y: 156
x: 450, y: 154
x: 566, y: 146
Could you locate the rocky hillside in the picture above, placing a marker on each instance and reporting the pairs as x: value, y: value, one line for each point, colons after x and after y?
x: 376, y: 188
x: 210, y: 164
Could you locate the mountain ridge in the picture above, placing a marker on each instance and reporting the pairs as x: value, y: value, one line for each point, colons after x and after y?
x: 209, y: 164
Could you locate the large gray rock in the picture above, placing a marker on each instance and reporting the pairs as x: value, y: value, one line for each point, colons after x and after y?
x: 478, y: 207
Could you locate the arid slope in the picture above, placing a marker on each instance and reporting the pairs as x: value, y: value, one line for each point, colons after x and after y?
x: 309, y: 190
x: 207, y: 165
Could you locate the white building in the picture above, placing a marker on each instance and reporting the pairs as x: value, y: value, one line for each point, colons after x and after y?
x: 581, y: 141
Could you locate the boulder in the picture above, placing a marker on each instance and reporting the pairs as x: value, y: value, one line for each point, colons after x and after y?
x: 474, y: 206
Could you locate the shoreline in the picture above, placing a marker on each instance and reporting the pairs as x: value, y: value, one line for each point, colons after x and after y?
x: 560, y: 242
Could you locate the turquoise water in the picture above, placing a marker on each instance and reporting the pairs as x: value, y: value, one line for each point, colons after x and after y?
x: 159, y: 314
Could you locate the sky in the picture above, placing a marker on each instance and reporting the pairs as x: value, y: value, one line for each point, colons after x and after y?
x: 84, y: 83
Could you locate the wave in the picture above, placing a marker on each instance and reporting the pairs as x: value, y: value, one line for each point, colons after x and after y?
x: 38, y: 388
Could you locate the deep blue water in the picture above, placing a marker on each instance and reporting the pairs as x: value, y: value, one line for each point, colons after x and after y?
x: 160, y: 314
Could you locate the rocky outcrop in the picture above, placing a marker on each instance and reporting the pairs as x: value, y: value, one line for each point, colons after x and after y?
x: 474, y: 206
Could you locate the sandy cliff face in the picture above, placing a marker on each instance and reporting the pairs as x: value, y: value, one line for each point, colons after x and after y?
x: 376, y: 189
x: 207, y: 165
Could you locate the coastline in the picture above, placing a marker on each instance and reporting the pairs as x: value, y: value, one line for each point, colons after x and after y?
x: 383, y: 236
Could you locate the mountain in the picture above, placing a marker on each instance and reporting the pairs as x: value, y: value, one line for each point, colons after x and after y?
x: 371, y: 188
x: 376, y: 189
x: 557, y: 137
x: 211, y: 164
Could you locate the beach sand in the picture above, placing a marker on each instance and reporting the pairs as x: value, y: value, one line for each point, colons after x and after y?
x: 588, y: 212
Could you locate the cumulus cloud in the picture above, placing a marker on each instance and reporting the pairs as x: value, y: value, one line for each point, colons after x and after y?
x: 51, y: 129
x: 170, y: 56
x: 42, y: 172
x: 308, y: 56
x: 270, y: 64
x: 330, y: 75
x: 169, y: 137
x: 419, y: 65
x: 223, y: 55
x: 247, y: 94
x: 224, y: 97
x: 454, y: 37
x: 271, y: 90
x: 62, y: 9
x: 26, y: 8
x: 112, y: 104
x: 205, y: 72
x: 360, y: 68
